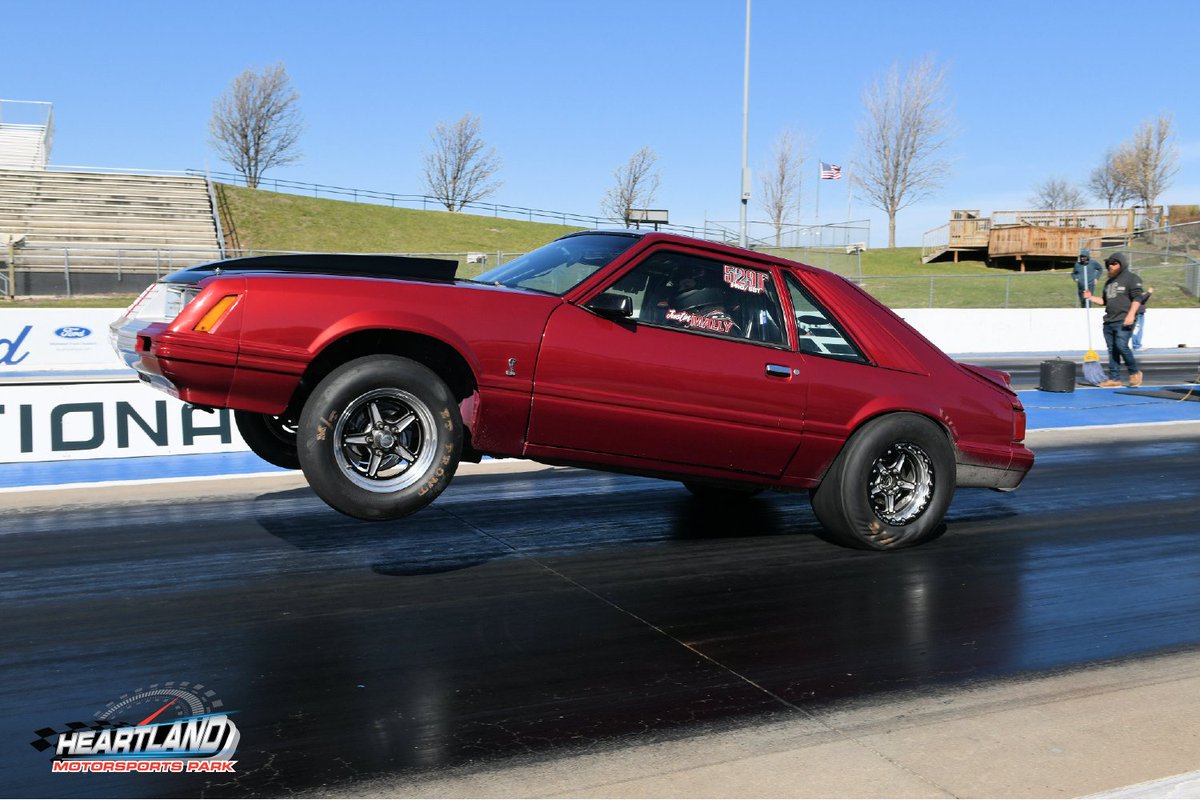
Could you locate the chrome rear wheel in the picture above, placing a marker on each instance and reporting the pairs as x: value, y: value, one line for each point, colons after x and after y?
x: 901, y: 483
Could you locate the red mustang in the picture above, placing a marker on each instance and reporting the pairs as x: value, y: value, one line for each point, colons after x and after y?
x: 647, y: 353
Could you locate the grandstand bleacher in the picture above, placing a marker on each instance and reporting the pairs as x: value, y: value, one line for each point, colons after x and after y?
x: 79, y: 230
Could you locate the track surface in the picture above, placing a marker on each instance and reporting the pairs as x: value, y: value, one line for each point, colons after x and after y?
x: 557, y: 610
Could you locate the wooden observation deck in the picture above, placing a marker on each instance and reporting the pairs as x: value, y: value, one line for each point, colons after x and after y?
x: 1042, y: 237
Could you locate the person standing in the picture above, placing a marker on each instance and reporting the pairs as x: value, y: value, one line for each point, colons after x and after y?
x: 1123, y: 296
x: 1139, y: 324
x: 1085, y: 272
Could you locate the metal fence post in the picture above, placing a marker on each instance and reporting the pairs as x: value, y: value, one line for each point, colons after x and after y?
x: 67, y: 269
x: 119, y: 277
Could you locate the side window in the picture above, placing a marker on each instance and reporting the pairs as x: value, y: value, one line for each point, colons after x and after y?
x: 816, y: 331
x: 702, y: 295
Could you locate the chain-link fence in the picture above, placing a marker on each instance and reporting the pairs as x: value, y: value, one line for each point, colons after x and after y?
x: 1176, y: 246
x: 1167, y: 259
x: 1049, y: 289
x: 837, y: 247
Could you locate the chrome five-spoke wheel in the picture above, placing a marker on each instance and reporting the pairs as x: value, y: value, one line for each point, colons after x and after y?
x: 383, y: 440
x: 901, y: 483
x: 380, y: 437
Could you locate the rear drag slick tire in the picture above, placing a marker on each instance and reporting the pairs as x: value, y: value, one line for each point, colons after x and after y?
x: 890, y: 486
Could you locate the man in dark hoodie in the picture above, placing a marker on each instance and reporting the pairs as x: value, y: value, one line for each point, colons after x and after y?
x: 1123, y: 296
x: 1085, y: 272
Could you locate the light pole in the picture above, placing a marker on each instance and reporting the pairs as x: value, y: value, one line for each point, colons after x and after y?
x: 745, y: 130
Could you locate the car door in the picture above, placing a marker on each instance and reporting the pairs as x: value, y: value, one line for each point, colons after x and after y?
x: 698, y: 376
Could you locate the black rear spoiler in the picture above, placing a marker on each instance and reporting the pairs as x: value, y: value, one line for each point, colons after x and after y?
x: 436, y: 269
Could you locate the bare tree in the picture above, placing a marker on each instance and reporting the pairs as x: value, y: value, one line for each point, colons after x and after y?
x: 461, y: 168
x: 901, y: 137
x: 1106, y: 182
x: 780, y: 180
x: 1056, y: 193
x: 636, y: 186
x: 1149, y: 161
x: 256, y: 124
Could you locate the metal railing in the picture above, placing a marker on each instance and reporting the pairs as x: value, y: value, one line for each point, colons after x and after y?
x: 216, y: 214
x: 43, y: 125
x: 429, y: 203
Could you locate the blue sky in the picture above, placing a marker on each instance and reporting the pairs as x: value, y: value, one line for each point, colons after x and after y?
x: 567, y: 91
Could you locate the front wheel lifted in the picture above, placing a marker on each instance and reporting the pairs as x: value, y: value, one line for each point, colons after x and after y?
x: 890, y: 486
x: 380, y: 437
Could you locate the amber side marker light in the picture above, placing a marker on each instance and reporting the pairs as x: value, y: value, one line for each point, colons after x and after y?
x: 215, y: 313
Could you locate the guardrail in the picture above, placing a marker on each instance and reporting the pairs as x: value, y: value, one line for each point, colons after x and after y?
x: 430, y: 203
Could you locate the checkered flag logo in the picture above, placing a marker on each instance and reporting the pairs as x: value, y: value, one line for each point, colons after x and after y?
x: 43, y: 743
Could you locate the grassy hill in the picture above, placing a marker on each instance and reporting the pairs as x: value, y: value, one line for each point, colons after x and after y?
x: 274, y: 221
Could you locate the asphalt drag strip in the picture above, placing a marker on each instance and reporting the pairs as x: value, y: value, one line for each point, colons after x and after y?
x: 549, y: 614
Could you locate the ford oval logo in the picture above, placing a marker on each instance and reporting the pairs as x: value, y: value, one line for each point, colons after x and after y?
x: 73, y: 332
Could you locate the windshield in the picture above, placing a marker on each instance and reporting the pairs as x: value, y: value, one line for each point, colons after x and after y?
x: 560, y: 266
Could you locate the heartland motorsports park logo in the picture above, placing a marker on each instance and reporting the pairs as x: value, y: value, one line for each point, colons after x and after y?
x: 168, y: 727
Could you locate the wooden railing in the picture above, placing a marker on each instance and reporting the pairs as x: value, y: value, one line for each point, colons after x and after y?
x: 1109, y: 219
x: 957, y: 233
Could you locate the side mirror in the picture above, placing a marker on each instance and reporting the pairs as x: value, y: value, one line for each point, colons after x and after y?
x: 612, y: 305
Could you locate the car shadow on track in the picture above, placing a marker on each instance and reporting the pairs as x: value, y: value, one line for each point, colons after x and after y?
x: 443, y: 539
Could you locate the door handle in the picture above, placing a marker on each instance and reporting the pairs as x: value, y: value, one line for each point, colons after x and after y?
x: 778, y: 371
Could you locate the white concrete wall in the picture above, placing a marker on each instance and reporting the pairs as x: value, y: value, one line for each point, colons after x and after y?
x: 1034, y: 330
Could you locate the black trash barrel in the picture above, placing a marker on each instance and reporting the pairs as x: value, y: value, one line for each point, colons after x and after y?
x: 1058, y: 376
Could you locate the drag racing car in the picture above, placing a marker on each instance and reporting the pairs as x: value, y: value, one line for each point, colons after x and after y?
x: 647, y: 353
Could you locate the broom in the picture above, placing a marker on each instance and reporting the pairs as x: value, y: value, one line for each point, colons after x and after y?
x: 1092, y: 371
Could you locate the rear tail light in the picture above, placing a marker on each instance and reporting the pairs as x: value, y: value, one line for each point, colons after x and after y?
x: 1018, y: 422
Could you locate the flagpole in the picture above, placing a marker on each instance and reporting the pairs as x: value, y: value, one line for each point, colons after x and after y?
x: 817, y: 213
x: 799, y: 207
x: 745, y: 131
x: 849, y: 189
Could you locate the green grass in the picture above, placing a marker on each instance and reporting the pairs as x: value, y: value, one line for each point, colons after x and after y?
x: 907, y: 261
x: 275, y: 221
x: 87, y: 301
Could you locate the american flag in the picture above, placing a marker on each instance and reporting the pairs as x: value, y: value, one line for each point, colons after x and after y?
x: 830, y: 172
